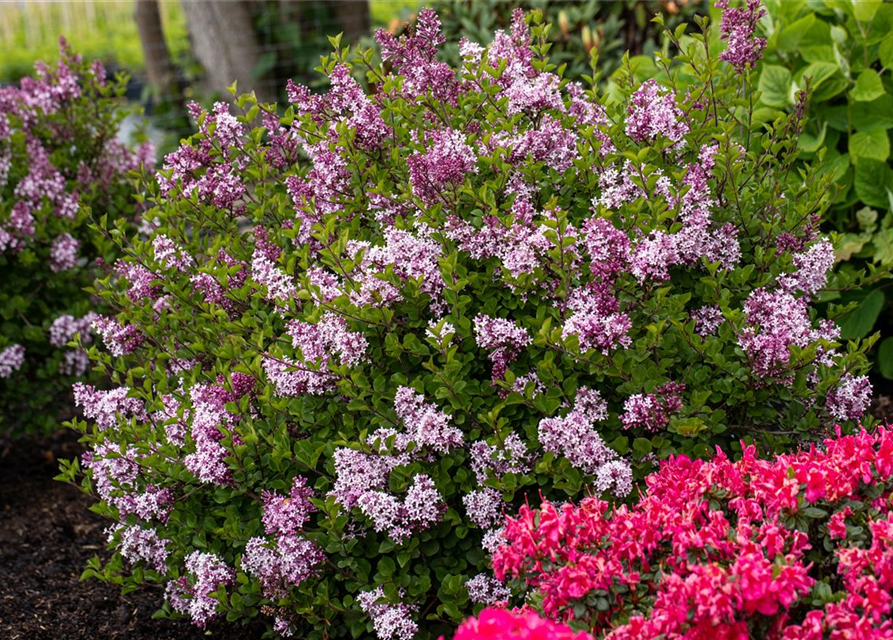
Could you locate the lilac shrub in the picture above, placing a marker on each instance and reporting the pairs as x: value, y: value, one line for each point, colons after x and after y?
x: 365, y: 326
x: 61, y: 164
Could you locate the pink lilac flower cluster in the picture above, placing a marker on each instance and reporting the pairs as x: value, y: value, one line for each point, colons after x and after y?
x: 482, y: 589
x: 425, y: 425
x: 813, y: 266
x: 707, y: 320
x: 191, y: 597
x: 414, y: 56
x: 119, y: 339
x: 170, y: 255
x: 62, y: 331
x: 322, y: 345
x: 24, y: 110
x: 117, y: 480
x: 282, y: 563
x: 267, y: 273
x: 504, y: 339
x: 443, y: 166
x: 190, y: 170
x: 66, y: 326
x: 285, y: 558
x: 850, y: 398
x: 652, y: 411
x: 574, y: 437
x: 419, y: 509
x: 64, y: 252
x: 596, y: 320
x: 138, y: 544
x: 510, y: 456
x: 210, y: 423
x: 106, y: 408
x: 653, y: 112
x: 11, y: 360
x: 736, y: 28
x: 776, y: 321
x: 740, y: 529
x: 391, y: 621
x: 484, y: 507
x: 501, y: 624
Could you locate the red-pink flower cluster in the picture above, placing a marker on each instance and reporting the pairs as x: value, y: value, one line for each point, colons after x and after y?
x: 499, y: 624
x: 723, y: 549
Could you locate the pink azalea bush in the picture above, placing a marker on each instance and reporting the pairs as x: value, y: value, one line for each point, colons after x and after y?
x: 795, y: 547
x: 362, y: 327
x: 60, y: 163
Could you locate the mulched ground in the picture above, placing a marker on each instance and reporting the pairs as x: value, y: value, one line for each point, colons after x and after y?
x: 46, y: 536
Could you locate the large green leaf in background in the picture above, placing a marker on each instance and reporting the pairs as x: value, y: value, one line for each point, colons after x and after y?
x: 860, y: 321
x: 874, y: 182
x: 870, y: 144
x: 775, y: 86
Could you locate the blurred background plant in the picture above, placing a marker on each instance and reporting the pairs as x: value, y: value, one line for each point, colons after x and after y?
x: 845, y: 48
x: 579, y: 28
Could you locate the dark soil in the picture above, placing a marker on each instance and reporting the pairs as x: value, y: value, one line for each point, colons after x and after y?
x: 46, y: 537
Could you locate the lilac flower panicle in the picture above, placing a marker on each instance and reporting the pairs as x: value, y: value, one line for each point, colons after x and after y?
x: 574, y: 437
x: 64, y: 252
x: 391, y: 621
x: 482, y: 589
x: 119, y: 339
x: 736, y: 28
x: 707, y: 320
x: 484, y: 507
x: 849, y: 400
x: 504, y: 339
x: 652, y: 411
x: 653, y: 112
x: 209, y: 574
x: 137, y: 544
x: 420, y: 508
x: 283, y: 515
x: 425, y: 425
x: 11, y: 360
x: 105, y: 407
x: 286, y: 562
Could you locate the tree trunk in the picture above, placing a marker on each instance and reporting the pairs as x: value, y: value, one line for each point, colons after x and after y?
x: 155, y: 52
x: 353, y: 16
x: 224, y: 43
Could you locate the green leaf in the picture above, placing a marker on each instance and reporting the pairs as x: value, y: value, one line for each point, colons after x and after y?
x: 885, y: 51
x: 818, y: 72
x: 775, y: 86
x: 873, y: 180
x: 789, y: 37
x: 864, y: 10
x: 870, y: 115
x: 868, y: 87
x: 871, y: 144
x: 883, y: 247
x: 809, y: 143
x: 860, y: 321
x: 885, y: 358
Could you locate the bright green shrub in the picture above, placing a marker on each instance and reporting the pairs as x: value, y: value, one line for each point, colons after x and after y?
x: 361, y: 329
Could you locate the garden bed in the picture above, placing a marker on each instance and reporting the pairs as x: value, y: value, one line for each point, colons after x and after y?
x: 47, y: 535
